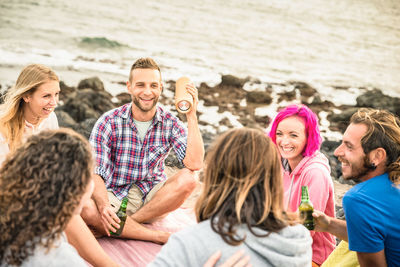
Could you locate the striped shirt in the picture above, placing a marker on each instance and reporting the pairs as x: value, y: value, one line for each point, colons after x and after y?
x: 122, y: 159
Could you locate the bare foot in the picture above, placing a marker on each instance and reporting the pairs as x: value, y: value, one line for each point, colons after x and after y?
x: 162, y: 237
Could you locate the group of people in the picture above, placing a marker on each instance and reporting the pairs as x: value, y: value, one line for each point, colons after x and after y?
x: 58, y: 191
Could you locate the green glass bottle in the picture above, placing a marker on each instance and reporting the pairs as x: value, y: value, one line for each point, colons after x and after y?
x: 306, y: 209
x: 121, y: 213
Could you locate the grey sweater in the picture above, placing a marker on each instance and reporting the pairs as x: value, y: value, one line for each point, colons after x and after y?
x: 194, y: 245
x: 61, y: 255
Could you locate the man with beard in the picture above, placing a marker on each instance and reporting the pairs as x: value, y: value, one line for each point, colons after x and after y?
x: 131, y: 143
x: 369, y: 154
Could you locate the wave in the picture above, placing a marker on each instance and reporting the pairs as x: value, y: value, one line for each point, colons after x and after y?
x: 99, y: 42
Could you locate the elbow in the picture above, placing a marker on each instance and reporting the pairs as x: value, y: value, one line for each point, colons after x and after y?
x: 194, y: 165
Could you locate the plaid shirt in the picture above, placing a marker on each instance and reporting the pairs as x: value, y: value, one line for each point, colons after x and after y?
x: 122, y: 159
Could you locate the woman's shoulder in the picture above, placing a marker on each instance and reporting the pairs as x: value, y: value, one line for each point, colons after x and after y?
x: 62, y: 254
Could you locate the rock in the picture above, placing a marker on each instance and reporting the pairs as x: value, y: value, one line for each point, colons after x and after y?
x: 94, y: 83
x: 173, y: 161
x: 305, y: 89
x: 376, y: 99
x: 259, y: 97
x: 230, y: 80
x: 329, y: 146
x: 208, y: 139
x: 263, y: 121
x: 346, y: 181
x: 340, y: 121
x: 64, y: 119
x: 339, y: 212
x: 85, y: 127
x: 87, y: 104
x: 287, y: 96
x: 66, y: 91
x: 123, y: 98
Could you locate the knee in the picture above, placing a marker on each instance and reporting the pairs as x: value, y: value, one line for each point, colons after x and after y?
x: 89, y: 212
x: 186, y: 181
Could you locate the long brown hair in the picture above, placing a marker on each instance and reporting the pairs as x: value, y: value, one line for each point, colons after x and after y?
x: 242, y: 185
x: 11, y: 112
x: 41, y: 185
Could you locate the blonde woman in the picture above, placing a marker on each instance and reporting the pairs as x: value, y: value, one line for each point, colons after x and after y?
x: 240, y: 208
x: 28, y: 109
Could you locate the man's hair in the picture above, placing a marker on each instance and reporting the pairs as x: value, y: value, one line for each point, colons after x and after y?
x: 242, y: 185
x: 383, y: 130
x: 41, y: 185
x: 310, y: 120
x: 144, y: 63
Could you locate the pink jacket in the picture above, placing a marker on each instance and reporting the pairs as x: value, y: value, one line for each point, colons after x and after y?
x: 314, y: 172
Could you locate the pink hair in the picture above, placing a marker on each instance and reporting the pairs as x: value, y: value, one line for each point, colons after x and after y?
x: 310, y: 120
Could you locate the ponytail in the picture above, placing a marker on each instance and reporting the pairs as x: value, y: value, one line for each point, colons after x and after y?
x: 394, y: 171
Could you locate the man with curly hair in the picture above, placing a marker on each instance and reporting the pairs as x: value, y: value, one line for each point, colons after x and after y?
x: 370, y: 154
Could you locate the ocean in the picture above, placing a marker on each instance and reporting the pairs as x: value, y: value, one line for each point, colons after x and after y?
x: 342, y: 43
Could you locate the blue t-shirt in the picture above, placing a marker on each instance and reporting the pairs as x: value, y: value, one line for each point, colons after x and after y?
x: 372, y: 210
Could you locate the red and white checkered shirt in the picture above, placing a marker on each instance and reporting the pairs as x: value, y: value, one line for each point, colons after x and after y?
x: 122, y: 159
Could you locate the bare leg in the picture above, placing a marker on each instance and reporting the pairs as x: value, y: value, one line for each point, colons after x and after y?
x: 132, y: 229
x: 170, y: 197
x: 81, y: 238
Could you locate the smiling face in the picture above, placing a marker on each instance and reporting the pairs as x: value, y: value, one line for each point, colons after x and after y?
x: 145, y: 89
x: 351, y: 154
x: 39, y: 104
x: 291, y: 139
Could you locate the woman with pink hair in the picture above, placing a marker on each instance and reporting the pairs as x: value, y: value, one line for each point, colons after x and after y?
x: 296, y: 135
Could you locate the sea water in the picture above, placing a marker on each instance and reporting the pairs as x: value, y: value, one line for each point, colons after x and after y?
x: 350, y: 43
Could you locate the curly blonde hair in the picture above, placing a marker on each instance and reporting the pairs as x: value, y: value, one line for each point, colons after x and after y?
x: 41, y: 185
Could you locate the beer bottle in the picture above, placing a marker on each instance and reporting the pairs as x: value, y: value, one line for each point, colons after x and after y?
x: 306, y: 209
x: 121, y: 213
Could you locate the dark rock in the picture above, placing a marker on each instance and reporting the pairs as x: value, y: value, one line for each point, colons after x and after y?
x: 263, y: 121
x: 305, y: 89
x: 64, y: 119
x: 173, y: 161
x: 259, y: 97
x: 230, y: 80
x: 339, y: 212
x: 287, y: 96
x: 123, y: 98
x: 226, y: 122
x: 2, y: 96
x: 316, y: 100
x: 66, y: 91
x: 346, y: 181
x: 87, y: 104
x: 329, y: 146
x: 208, y: 139
x: 341, y: 121
x: 94, y: 83
x: 376, y: 99
x: 85, y: 127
